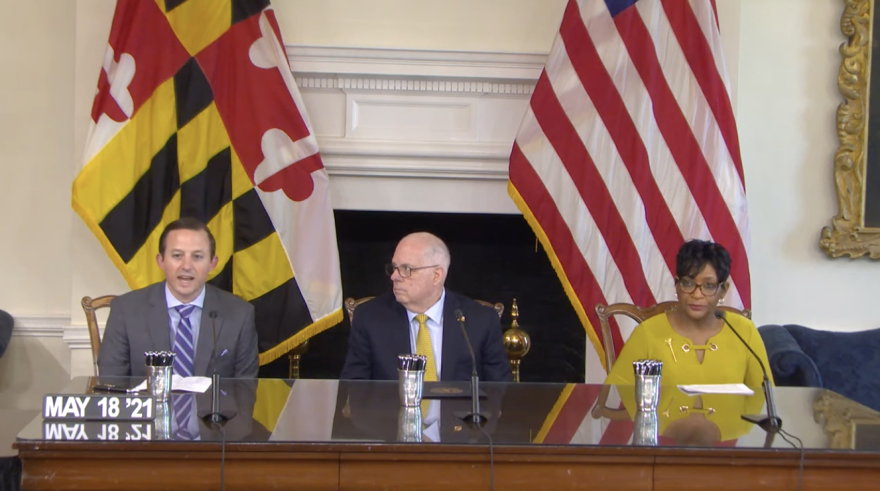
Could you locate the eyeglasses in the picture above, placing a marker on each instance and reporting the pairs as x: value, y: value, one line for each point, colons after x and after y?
x: 404, y: 270
x: 689, y: 286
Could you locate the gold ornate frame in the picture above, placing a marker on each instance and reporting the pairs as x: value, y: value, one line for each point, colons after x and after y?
x: 847, y: 234
x: 840, y: 417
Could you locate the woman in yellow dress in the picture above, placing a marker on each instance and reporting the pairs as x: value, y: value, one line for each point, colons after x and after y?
x: 695, y: 346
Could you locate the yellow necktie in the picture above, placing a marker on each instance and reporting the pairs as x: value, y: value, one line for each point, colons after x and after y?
x: 425, y: 348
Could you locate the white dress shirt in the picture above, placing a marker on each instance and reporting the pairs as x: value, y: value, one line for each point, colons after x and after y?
x: 431, y: 421
x: 195, y: 317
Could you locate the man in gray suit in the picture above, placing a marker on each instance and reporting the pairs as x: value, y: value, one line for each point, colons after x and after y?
x: 208, y: 329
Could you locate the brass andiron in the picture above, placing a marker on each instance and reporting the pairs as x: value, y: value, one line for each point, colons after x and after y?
x: 295, y: 356
x: 516, y: 342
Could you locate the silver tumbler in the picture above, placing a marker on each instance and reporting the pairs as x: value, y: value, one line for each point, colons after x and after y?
x: 409, y: 424
x: 409, y: 387
x: 159, y: 382
x: 645, y: 428
x: 162, y: 421
x: 647, y: 392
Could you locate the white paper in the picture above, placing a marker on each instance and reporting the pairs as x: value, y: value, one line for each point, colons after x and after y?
x: 183, y: 384
x: 716, y: 389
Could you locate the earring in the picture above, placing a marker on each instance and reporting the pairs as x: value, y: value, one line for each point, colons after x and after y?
x: 721, y: 302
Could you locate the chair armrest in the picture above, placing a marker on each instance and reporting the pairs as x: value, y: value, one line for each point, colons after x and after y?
x: 790, y: 365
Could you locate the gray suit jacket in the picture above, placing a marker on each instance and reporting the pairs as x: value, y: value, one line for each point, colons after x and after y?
x: 139, y: 322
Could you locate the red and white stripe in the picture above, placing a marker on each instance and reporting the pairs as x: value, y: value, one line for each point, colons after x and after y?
x: 629, y: 147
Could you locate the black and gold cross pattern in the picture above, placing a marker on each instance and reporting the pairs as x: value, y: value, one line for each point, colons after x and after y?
x: 173, y: 157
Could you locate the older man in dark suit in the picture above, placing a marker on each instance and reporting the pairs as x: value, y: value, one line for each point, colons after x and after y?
x: 208, y: 329
x: 419, y: 316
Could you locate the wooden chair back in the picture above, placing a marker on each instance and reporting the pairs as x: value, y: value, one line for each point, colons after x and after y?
x: 90, y: 305
x: 498, y: 306
x: 351, y: 303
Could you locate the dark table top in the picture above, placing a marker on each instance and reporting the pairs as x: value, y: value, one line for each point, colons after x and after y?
x: 358, y: 412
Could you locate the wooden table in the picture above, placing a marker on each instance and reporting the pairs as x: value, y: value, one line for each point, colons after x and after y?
x: 12, y: 420
x: 350, y: 445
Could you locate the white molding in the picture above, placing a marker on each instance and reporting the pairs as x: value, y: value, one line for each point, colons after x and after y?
x: 442, y: 122
x: 423, y: 168
x: 416, y: 63
x: 341, y: 146
x: 46, y: 326
x: 408, y: 118
x: 52, y: 326
x: 412, y: 84
x: 421, y: 195
x: 77, y: 337
x: 428, y: 160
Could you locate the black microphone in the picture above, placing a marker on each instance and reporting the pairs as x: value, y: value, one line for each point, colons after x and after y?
x: 475, y: 416
x: 770, y: 422
x: 215, y: 416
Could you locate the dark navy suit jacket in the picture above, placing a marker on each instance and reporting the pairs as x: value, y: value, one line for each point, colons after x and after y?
x: 380, y: 332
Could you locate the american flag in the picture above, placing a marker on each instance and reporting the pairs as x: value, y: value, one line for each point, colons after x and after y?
x: 628, y: 148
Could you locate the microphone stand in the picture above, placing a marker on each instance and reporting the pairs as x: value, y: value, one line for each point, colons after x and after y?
x: 771, y: 423
x: 475, y: 416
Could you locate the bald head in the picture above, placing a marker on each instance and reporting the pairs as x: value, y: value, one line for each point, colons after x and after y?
x: 433, y: 249
x: 427, y: 258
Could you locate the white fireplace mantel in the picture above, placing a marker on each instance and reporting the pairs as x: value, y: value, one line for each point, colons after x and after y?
x: 406, y: 130
x: 408, y: 63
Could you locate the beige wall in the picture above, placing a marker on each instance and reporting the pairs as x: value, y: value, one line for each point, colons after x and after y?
x: 517, y: 26
x: 786, y: 110
x: 784, y: 75
x: 36, y: 143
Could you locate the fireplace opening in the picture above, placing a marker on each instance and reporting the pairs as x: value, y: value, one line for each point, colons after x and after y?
x: 495, y: 257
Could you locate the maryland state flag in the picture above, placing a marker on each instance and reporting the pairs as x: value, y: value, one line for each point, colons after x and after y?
x: 197, y: 114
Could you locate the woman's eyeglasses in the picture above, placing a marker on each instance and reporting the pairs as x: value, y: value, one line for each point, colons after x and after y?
x: 689, y: 286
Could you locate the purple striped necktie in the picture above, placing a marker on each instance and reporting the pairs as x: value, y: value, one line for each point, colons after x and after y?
x: 184, y: 343
x: 184, y: 406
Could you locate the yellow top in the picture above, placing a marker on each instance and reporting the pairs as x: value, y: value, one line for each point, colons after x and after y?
x: 726, y: 359
x: 722, y: 410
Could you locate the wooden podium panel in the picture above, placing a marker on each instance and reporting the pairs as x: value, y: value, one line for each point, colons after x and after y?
x: 514, y: 469
x: 334, y: 435
x: 760, y: 470
x: 155, y: 466
x: 368, y: 467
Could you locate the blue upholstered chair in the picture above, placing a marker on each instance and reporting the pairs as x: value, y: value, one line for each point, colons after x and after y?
x: 845, y: 362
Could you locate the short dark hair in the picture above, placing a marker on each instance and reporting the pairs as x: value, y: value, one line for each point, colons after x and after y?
x: 185, y: 223
x: 695, y: 254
